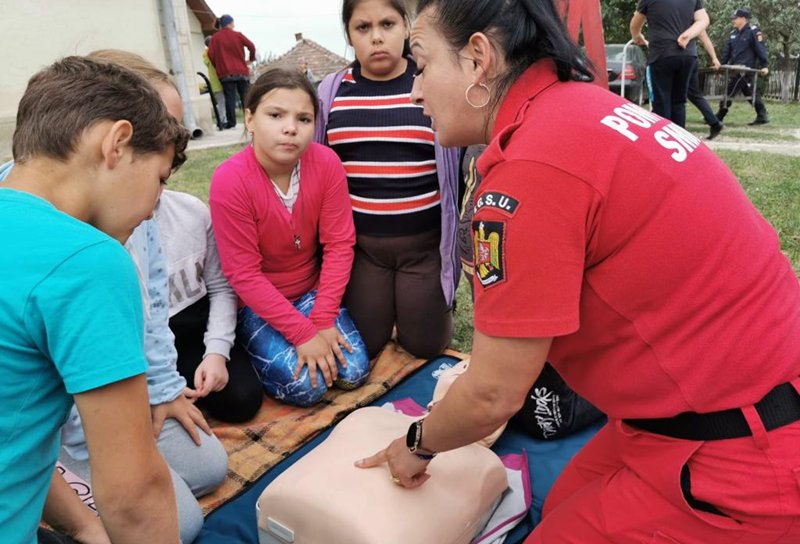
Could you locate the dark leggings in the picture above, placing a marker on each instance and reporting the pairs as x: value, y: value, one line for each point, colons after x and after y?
x: 395, y: 282
x: 242, y: 397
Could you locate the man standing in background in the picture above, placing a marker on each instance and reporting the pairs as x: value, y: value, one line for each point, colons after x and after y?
x: 672, y: 25
x: 745, y: 47
x: 227, y: 54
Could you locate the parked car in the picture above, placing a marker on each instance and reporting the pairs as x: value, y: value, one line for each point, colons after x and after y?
x: 634, y: 74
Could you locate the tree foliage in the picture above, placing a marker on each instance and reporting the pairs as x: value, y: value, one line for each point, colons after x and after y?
x: 777, y: 19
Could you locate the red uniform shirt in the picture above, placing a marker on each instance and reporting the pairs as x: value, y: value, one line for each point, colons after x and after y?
x: 624, y: 237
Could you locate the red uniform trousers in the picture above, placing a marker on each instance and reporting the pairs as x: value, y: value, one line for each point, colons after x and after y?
x: 624, y: 487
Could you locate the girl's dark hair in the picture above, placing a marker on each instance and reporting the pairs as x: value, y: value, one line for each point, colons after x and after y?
x: 279, y: 78
x: 348, y: 6
x: 526, y: 30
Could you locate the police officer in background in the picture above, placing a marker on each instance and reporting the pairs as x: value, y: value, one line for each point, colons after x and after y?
x: 745, y: 47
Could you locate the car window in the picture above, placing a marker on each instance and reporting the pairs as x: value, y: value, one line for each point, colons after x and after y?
x: 614, y: 53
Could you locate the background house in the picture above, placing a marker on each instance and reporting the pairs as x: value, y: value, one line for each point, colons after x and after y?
x: 37, y: 32
x: 320, y: 61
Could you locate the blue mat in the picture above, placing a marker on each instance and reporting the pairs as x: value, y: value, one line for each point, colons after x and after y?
x: 236, y: 520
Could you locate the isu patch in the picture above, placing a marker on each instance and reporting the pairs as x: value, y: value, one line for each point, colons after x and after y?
x: 498, y: 201
x: 488, y: 239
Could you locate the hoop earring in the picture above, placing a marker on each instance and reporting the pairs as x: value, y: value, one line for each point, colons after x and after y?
x: 480, y: 86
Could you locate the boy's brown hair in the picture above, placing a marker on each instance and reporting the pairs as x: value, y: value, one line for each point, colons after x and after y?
x: 68, y: 97
x: 134, y: 62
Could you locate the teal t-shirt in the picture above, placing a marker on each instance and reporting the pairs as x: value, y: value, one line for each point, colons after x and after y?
x: 70, y: 321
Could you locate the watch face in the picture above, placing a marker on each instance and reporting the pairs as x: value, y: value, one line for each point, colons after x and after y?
x: 412, y: 437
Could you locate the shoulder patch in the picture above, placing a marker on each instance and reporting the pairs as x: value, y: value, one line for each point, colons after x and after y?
x: 488, y: 239
x: 497, y: 200
x: 760, y: 36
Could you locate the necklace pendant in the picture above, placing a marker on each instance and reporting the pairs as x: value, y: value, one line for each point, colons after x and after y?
x: 297, y: 242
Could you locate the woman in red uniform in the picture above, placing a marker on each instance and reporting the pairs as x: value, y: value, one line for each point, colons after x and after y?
x: 617, y: 245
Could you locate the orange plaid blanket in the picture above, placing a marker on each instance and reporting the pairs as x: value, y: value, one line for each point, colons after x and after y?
x: 279, y: 429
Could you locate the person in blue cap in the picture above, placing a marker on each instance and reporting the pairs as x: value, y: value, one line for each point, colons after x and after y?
x: 745, y: 47
x: 226, y: 52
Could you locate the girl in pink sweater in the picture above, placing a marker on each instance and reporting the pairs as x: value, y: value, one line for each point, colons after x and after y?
x: 281, y: 215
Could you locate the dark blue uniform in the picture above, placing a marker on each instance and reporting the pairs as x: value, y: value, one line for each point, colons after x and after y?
x: 745, y: 47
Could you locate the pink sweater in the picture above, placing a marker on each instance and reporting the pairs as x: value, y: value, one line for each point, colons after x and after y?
x: 255, y: 239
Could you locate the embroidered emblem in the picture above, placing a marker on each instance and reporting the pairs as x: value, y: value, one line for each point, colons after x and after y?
x: 488, y: 243
x: 760, y: 36
x: 499, y: 201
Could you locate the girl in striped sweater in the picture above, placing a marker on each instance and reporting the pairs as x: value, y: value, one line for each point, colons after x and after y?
x: 402, y: 185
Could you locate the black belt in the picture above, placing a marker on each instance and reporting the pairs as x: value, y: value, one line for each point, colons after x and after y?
x: 779, y: 407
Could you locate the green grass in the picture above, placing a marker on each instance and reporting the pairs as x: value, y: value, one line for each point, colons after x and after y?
x: 462, y: 318
x: 194, y: 176
x: 773, y: 184
x: 783, y: 127
x: 771, y: 181
x: 748, y: 134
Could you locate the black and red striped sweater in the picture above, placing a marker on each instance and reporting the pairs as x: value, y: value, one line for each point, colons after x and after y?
x: 386, y: 146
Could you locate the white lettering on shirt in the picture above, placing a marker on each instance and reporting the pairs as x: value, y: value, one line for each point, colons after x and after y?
x: 629, y: 119
x: 621, y: 126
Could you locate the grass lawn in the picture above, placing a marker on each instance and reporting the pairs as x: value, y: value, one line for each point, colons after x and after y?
x: 772, y: 182
x: 783, y: 127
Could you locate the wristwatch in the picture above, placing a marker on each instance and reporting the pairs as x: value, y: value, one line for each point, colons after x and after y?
x: 413, y: 440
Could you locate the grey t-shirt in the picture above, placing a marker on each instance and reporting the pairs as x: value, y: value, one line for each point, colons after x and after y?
x: 666, y: 20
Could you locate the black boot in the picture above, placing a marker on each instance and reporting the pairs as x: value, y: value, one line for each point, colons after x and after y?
x: 715, y: 130
x: 761, y: 114
x: 721, y: 113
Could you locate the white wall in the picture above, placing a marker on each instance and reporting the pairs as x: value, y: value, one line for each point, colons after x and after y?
x: 37, y: 32
x: 192, y: 44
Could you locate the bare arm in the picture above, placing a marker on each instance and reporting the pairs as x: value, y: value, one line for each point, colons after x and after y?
x: 65, y: 512
x: 500, y: 374
x: 636, y: 26
x: 130, y: 480
x: 701, y: 22
x: 709, y: 47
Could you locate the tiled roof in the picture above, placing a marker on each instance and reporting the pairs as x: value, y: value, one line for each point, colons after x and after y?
x: 320, y: 61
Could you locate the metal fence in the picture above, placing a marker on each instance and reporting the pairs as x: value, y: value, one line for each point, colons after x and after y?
x: 772, y: 86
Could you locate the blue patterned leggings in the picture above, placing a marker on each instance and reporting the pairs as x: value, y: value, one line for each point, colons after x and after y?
x: 274, y: 358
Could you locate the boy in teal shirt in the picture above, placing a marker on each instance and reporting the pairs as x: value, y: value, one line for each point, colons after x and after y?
x: 93, y: 145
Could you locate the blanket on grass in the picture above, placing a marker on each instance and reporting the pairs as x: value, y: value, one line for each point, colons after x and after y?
x: 279, y: 429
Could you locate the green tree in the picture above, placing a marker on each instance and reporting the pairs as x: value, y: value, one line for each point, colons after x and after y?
x: 779, y: 20
x: 616, y: 18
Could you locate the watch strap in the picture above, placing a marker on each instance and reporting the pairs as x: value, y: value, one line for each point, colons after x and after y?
x: 413, y: 439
